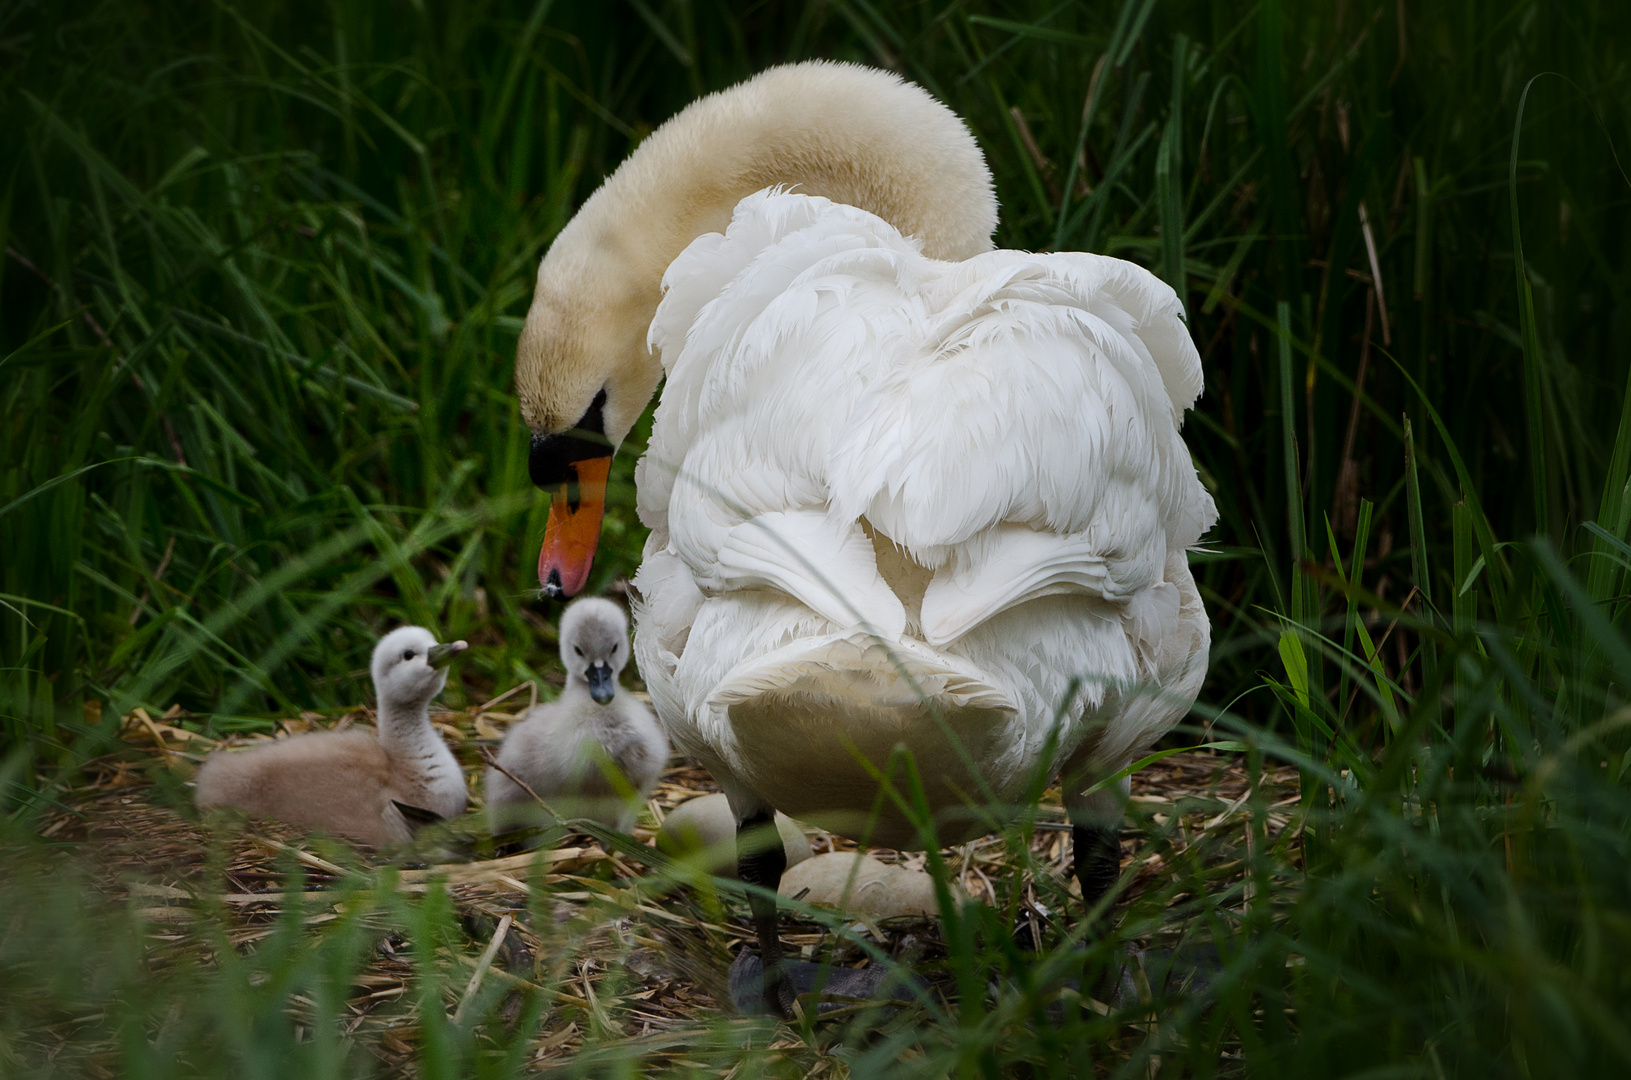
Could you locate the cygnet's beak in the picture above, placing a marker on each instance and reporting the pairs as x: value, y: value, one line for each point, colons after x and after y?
x: 438, y: 656
x: 602, y: 684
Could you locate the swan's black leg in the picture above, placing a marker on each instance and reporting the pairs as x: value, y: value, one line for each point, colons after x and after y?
x: 1096, y: 839
x: 1097, y: 851
x: 763, y: 867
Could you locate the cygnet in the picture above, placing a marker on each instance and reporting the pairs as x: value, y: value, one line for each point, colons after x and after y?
x: 373, y: 789
x: 596, y: 751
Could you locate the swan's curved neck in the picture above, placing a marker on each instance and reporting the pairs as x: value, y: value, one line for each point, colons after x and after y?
x: 852, y: 134
x: 405, y: 728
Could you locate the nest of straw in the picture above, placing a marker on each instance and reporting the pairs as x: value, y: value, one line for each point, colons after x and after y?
x: 622, y: 961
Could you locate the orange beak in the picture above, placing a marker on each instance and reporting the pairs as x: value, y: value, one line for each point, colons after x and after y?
x: 573, y: 532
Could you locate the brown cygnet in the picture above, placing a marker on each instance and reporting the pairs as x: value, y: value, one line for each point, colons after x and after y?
x: 373, y: 789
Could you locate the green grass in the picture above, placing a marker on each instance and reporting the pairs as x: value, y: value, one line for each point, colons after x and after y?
x: 265, y: 265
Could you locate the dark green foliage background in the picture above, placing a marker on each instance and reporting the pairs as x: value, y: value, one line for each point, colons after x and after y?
x: 265, y: 265
x: 289, y: 245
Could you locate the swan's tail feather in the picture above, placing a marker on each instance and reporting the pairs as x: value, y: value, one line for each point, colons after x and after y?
x: 855, y: 665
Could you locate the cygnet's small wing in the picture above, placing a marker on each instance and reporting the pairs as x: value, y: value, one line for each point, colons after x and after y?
x: 644, y: 752
x: 417, y: 817
x: 546, y: 750
x: 338, y: 782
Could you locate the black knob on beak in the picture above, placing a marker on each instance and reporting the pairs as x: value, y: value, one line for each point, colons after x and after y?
x: 550, y: 458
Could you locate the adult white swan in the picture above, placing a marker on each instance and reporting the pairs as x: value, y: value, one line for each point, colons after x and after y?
x: 903, y: 490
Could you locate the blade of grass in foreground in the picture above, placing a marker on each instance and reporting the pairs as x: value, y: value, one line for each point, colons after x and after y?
x: 1534, y: 375
x: 1169, y: 183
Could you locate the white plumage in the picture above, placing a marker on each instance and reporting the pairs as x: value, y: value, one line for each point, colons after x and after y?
x: 882, y: 487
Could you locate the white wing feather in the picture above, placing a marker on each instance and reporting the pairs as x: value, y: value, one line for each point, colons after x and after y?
x: 1010, y: 422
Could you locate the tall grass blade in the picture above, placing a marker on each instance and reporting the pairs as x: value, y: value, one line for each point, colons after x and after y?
x: 1169, y: 182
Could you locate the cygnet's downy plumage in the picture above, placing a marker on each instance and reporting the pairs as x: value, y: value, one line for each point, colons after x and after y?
x: 374, y: 789
x: 595, y: 752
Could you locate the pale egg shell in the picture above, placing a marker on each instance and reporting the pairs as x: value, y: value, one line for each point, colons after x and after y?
x: 877, y: 890
x: 703, y: 831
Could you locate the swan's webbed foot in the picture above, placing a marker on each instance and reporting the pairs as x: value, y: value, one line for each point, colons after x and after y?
x: 835, y: 987
x: 768, y: 983
x: 1140, y: 973
x: 1157, y: 974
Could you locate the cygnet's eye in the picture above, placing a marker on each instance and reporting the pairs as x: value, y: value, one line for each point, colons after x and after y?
x: 578, y: 649
x: 409, y: 655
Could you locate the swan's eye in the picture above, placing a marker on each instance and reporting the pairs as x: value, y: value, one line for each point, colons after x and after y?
x: 578, y: 649
x: 408, y: 655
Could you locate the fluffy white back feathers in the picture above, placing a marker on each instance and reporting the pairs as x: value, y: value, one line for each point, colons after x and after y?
x: 881, y: 478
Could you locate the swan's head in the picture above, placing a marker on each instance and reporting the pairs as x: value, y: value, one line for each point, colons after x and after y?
x: 583, y: 372
x: 583, y: 375
x: 410, y: 668
x: 595, y: 646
